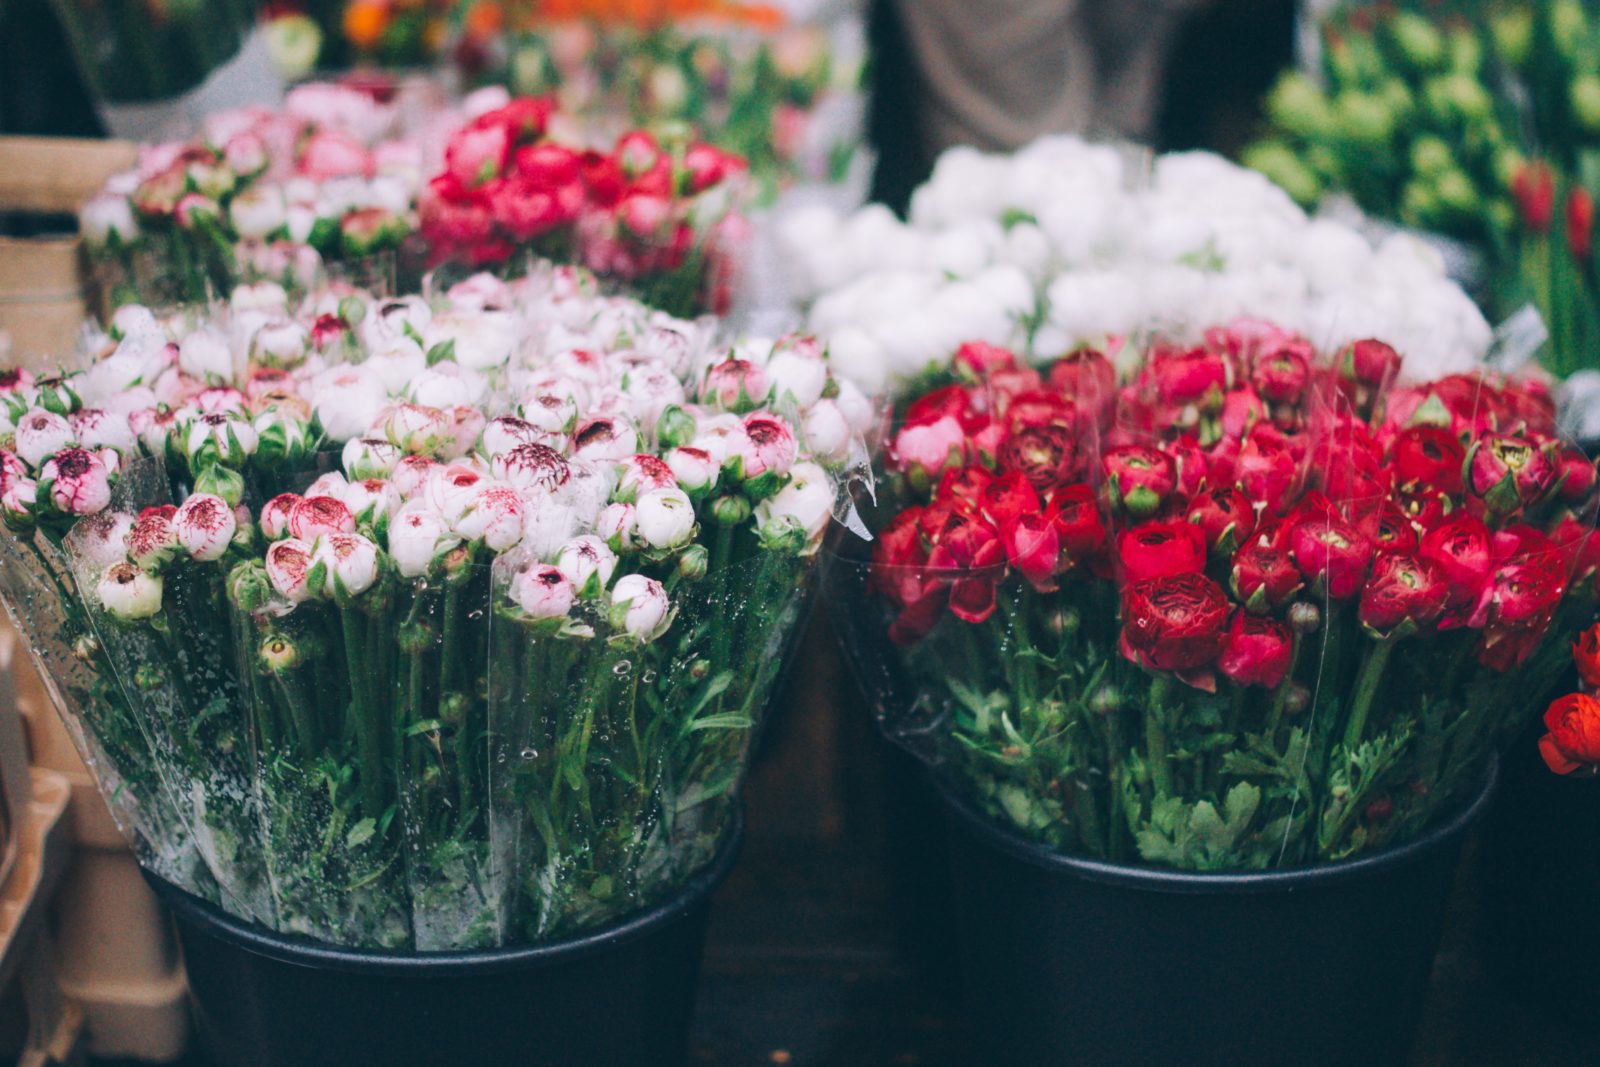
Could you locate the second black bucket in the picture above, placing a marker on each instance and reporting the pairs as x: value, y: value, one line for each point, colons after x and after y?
x: 1070, y: 961
x: 621, y: 995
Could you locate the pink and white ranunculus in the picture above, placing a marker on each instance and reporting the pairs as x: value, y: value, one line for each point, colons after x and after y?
x: 315, y: 516
x: 369, y: 457
x: 128, y: 592
x: 153, y: 540
x: 350, y: 562
x: 614, y: 525
x: 95, y: 428
x: 640, y: 607
x: 289, y: 564
x: 543, y: 592
x: 768, y: 446
x: 40, y: 435
x: 494, y: 517
x: 416, y: 536
x: 588, y: 563
x: 642, y: 473
x: 695, y: 469
x: 205, y: 526
x: 79, y: 482
x: 275, y: 515
x: 534, y: 469
x: 664, y: 519
x: 807, y: 501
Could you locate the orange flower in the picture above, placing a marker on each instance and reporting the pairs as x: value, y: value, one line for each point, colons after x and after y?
x: 364, y: 23
x: 1573, y: 742
x: 1586, y: 654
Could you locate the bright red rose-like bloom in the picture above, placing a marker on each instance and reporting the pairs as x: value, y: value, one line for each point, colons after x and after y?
x: 1176, y: 623
x: 1045, y: 455
x: 1388, y: 528
x: 1241, y: 409
x: 1401, y: 590
x: 1266, y: 467
x: 1510, y: 472
x: 1580, y: 224
x: 980, y: 360
x: 1533, y: 187
x: 1257, y: 651
x: 1586, y: 656
x: 1462, y: 550
x: 1076, y: 515
x: 1331, y: 553
x: 1370, y: 362
x: 1225, y: 517
x: 1008, y: 497
x: 1033, y: 547
x: 1161, y: 549
x: 1573, y: 743
x: 1264, y: 577
x: 1140, y: 477
x: 969, y: 557
x: 952, y: 401
x: 966, y: 489
x: 1428, y: 458
x: 1086, y: 376
x: 1577, y: 475
x: 1281, y: 375
x: 1193, y: 376
x: 1580, y: 547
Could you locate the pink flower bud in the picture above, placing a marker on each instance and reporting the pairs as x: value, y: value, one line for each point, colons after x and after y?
x: 79, y: 482
x: 289, y: 569
x: 314, y: 516
x: 543, y: 592
x: 205, y: 526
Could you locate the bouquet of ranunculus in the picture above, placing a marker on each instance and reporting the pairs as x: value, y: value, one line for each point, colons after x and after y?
x: 331, y: 177
x: 1571, y: 744
x: 784, y: 96
x: 435, y: 622
x: 1240, y: 605
x: 1067, y: 241
x: 1478, y: 122
x: 658, y: 218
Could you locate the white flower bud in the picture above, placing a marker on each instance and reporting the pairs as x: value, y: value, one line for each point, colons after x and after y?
x: 642, y: 604
x: 129, y: 593
x: 586, y: 559
x: 664, y: 518
x: 205, y: 526
x: 543, y: 592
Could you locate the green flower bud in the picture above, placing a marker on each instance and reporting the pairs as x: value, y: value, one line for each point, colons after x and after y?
x: 1364, y: 118
x: 221, y: 481
x: 1508, y: 163
x: 149, y: 677
x: 1457, y: 195
x: 1297, y: 700
x: 1297, y: 106
x: 784, y: 534
x: 1430, y: 155
x: 1418, y: 40
x: 730, y: 510
x: 675, y: 428
x: 249, y: 588
x: 1466, y: 51
x: 1305, y: 617
x: 1419, y: 205
x: 1569, y: 27
x: 1397, y: 94
x: 1105, y: 700
x: 1512, y: 32
x: 279, y: 654
x: 1459, y: 96
x: 1500, y: 216
x: 692, y: 562
x: 1586, y: 101
x: 85, y: 648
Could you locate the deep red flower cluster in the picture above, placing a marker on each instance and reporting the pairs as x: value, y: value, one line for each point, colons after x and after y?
x: 627, y: 213
x: 1230, y: 482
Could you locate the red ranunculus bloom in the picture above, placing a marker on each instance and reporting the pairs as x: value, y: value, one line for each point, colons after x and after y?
x: 1176, y: 623
x: 1225, y: 517
x: 1462, y: 550
x: 1086, y: 376
x: 1033, y: 547
x: 1510, y: 472
x: 1257, y: 652
x: 1331, y: 553
x: 980, y: 359
x: 1428, y: 458
x: 970, y: 558
x: 1371, y: 363
x: 1586, y: 656
x: 1191, y: 376
x: 1264, y: 578
x: 1008, y: 497
x: 1045, y: 455
x: 1573, y: 742
x: 1076, y: 515
x: 1161, y: 549
x: 1280, y: 376
x: 1140, y: 478
x: 1401, y: 590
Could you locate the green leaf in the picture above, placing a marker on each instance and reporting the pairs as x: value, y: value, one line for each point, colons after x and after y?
x: 444, y: 350
x: 426, y: 726
x: 731, y: 720
x: 361, y: 833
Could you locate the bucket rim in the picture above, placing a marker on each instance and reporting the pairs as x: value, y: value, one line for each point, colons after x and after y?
x: 212, y: 921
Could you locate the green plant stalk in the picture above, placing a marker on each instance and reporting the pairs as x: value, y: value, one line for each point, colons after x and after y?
x: 1155, y: 735
x: 1373, y: 663
x: 368, y: 740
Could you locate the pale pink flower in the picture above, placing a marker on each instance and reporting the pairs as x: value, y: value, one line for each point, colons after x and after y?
x: 205, y: 526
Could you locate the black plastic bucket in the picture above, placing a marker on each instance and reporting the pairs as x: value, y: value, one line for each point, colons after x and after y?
x: 1070, y: 961
x: 1539, y: 855
x: 621, y: 995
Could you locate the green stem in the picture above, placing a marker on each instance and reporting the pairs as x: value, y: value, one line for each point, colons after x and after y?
x: 1280, y: 695
x: 1155, y: 735
x: 367, y: 739
x: 1372, y: 666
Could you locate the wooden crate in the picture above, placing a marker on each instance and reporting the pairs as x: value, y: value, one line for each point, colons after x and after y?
x: 42, y: 280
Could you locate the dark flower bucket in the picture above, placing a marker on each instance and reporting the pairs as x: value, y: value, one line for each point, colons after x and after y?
x: 1076, y: 961
x: 1540, y: 860
x: 623, y: 994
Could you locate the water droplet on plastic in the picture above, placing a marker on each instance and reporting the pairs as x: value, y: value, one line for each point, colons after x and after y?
x: 529, y: 753
x: 622, y: 668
